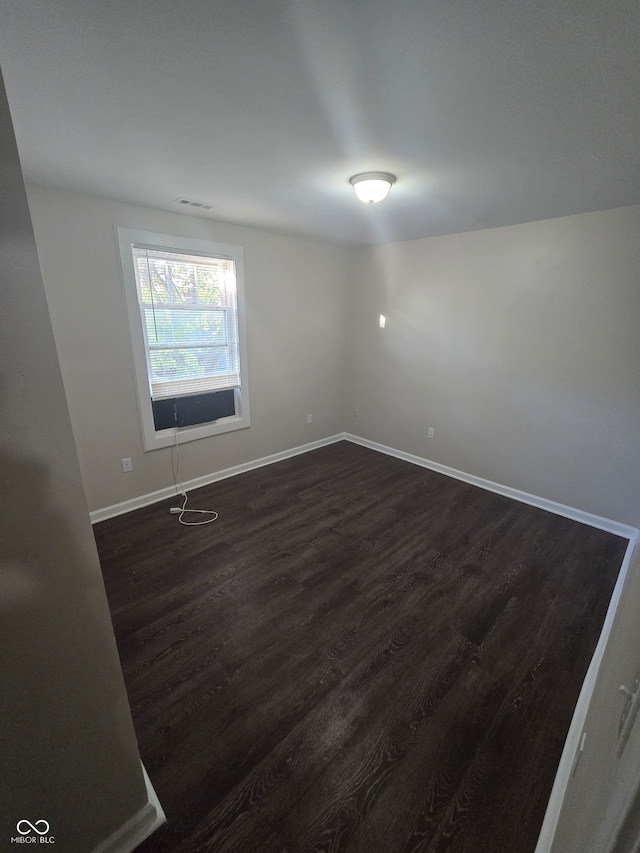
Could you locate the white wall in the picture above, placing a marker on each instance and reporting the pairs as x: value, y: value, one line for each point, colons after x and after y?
x: 296, y: 328
x: 603, y: 783
x: 68, y: 750
x: 519, y: 345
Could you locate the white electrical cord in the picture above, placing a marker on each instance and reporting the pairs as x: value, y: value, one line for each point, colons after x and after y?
x: 180, y: 490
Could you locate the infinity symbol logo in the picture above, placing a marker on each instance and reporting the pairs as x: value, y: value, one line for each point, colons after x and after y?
x: 32, y: 827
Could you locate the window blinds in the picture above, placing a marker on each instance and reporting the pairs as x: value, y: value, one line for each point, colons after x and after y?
x: 188, y: 307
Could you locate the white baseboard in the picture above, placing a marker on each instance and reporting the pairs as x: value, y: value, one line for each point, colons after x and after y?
x: 563, y: 774
x: 153, y: 799
x: 607, y: 524
x: 131, y: 834
x: 170, y: 491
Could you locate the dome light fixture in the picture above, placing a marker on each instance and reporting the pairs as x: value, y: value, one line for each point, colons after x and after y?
x: 371, y: 187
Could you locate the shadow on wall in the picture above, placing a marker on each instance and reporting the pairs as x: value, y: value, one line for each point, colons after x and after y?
x: 64, y: 707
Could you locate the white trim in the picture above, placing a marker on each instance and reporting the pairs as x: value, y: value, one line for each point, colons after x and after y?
x: 580, y: 515
x: 574, y: 514
x: 563, y: 774
x: 152, y: 439
x: 132, y: 833
x: 153, y: 799
x: 169, y: 492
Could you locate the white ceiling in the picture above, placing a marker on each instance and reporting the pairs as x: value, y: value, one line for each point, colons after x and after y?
x: 490, y: 112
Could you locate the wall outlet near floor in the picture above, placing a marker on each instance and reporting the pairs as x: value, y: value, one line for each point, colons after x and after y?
x: 431, y: 433
x: 309, y: 418
x: 127, y: 464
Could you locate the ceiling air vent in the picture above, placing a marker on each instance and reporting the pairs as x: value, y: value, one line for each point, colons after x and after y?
x: 189, y: 202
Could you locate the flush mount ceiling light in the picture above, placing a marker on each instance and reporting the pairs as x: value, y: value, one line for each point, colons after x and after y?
x: 371, y: 187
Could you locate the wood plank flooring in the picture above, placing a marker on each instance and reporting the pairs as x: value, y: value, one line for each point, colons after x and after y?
x: 359, y: 656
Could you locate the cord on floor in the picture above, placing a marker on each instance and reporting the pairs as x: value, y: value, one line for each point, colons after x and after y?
x: 180, y: 511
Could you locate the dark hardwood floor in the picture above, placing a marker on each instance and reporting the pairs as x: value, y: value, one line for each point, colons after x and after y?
x: 360, y: 655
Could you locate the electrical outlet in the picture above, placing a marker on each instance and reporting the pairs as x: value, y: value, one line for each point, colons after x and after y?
x: 431, y: 432
x: 127, y: 465
x: 309, y: 418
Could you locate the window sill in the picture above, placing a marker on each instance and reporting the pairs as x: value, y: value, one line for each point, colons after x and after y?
x: 167, y: 437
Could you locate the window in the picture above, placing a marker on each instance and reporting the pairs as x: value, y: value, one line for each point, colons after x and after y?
x: 185, y: 303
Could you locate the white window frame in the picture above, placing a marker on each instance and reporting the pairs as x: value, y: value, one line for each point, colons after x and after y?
x: 153, y: 439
